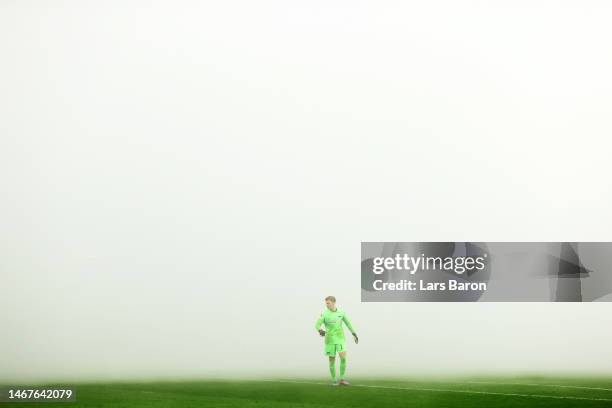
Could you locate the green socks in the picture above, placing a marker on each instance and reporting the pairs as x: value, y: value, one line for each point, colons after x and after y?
x: 332, y: 369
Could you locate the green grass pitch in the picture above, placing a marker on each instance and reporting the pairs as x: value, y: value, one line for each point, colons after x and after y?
x: 318, y: 393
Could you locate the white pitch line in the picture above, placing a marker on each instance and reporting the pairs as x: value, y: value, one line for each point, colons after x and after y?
x: 538, y: 385
x: 449, y: 390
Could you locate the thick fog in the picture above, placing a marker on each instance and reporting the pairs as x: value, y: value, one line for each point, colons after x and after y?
x: 182, y: 183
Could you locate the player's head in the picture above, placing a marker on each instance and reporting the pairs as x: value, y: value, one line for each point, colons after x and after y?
x: 330, y: 302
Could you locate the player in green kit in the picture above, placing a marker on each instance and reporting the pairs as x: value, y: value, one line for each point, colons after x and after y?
x: 333, y: 318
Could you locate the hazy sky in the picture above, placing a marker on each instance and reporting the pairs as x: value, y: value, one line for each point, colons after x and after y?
x: 181, y: 183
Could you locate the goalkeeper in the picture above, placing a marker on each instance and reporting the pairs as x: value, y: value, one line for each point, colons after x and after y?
x: 332, y: 318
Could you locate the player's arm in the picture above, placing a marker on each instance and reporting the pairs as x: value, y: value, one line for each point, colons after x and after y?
x: 350, y: 327
x: 318, y: 325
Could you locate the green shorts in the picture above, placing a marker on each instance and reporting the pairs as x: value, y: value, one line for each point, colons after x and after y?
x: 332, y: 349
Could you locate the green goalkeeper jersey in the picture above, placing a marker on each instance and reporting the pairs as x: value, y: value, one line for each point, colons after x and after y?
x: 333, y: 325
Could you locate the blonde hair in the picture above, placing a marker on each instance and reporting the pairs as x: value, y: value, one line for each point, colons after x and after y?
x: 332, y: 298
